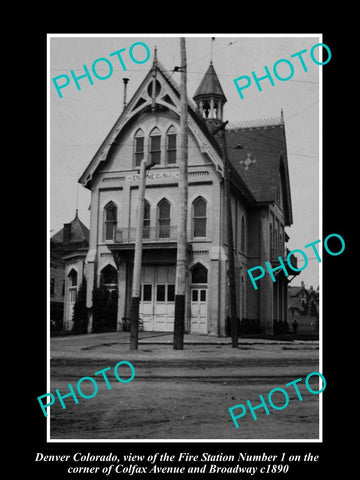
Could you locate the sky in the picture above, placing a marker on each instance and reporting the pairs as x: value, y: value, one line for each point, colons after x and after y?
x: 80, y: 120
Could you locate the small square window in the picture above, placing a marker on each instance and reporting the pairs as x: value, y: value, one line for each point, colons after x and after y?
x: 160, y: 293
x: 147, y: 292
x: 171, y: 293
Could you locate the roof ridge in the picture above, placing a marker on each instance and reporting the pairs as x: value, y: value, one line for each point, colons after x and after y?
x: 256, y: 122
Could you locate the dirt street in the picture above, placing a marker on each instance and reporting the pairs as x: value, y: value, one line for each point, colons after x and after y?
x: 188, y: 398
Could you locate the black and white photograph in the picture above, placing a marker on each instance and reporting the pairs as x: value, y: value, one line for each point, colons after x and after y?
x: 186, y: 251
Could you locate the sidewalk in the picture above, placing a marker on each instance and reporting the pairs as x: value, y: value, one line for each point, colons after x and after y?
x: 157, y: 346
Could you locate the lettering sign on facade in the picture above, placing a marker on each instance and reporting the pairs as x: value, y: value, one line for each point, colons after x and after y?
x: 154, y: 175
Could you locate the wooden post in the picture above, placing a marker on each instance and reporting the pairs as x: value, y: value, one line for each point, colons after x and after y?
x: 230, y: 240
x: 181, y: 260
x: 135, y: 300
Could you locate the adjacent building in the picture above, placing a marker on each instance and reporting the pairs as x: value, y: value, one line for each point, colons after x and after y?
x: 148, y: 127
x: 68, y: 250
x: 303, y: 309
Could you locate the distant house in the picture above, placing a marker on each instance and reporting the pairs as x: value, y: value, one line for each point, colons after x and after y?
x: 68, y: 249
x: 303, y: 307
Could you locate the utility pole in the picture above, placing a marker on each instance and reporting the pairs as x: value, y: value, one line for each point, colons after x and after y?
x: 135, y: 300
x: 144, y: 165
x: 181, y: 260
x: 230, y: 238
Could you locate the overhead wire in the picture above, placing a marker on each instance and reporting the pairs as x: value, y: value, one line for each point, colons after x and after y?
x: 263, y: 138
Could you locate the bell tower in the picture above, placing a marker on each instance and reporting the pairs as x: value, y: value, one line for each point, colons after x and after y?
x: 210, y: 98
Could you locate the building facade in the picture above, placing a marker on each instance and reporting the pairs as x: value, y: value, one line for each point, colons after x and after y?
x: 149, y: 128
x: 68, y: 250
x: 303, y: 309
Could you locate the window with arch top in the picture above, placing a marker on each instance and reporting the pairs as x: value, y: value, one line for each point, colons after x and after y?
x: 199, y: 274
x: 155, y: 146
x: 73, y: 278
x: 110, y: 221
x: 163, y: 218
x: 73, y: 281
x: 171, y: 145
x: 109, y: 278
x: 199, y: 217
x: 139, y: 139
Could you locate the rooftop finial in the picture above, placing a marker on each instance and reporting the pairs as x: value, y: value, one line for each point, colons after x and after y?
x: 155, y: 56
x: 77, y: 197
x: 211, y: 49
x: 125, y: 82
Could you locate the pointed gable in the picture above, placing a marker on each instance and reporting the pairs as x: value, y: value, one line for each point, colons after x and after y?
x: 157, y: 90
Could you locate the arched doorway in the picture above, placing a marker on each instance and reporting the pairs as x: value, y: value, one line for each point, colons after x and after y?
x: 199, y: 299
x: 105, y: 301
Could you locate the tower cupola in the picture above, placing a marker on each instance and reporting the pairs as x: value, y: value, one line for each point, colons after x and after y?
x: 210, y: 98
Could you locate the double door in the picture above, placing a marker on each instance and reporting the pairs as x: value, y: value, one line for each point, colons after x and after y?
x: 157, y: 301
x: 198, y: 310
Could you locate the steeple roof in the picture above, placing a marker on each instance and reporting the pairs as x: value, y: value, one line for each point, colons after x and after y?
x: 210, y: 85
x: 74, y: 232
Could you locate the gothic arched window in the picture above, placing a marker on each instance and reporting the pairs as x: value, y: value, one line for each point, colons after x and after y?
x: 199, y: 217
x: 163, y: 218
x: 155, y: 146
x: 171, y: 146
x: 73, y: 281
x: 199, y: 274
x: 139, y: 140
x: 109, y: 278
x: 110, y: 221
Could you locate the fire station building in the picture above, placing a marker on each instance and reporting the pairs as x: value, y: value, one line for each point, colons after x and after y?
x: 148, y: 127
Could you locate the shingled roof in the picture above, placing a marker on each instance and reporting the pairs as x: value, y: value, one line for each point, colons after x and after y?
x: 78, y: 232
x: 210, y: 85
x: 258, y: 154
